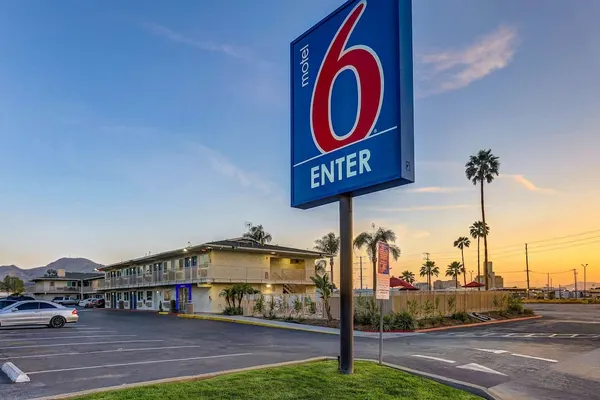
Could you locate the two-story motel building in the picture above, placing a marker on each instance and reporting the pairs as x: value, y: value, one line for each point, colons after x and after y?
x: 197, y: 274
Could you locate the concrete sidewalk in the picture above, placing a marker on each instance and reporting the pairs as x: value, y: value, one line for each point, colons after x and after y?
x: 293, y: 325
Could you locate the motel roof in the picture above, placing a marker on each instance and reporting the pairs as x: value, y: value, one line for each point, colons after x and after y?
x: 71, y: 276
x: 237, y: 244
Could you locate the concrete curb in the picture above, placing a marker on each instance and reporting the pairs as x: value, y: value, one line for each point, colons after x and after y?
x: 461, y: 385
x: 503, y: 321
x: 179, y: 379
x: 14, y: 373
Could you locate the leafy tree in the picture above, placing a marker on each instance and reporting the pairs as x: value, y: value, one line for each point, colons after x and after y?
x: 482, y: 168
x: 51, y: 273
x: 330, y: 245
x: 371, y: 240
x: 324, y: 287
x: 241, y: 289
x: 429, y: 269
x: 454, y: 270
x: 257, y: 232
x: 477, y: 232
x: 229, y: 295
x: 408, y: 276
x: 461, y: 243
x: 12, y: 284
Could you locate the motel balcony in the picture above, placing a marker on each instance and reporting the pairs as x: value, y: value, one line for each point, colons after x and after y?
x: 210, y: 274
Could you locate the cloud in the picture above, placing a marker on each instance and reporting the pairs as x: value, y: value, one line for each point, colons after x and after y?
x: 424, y: 208
x: 229, y: 50
x: 225, y: 167
x: 421, y: 234
x: 437, y: 189
x: 455, y: 69
x: 527, y: 184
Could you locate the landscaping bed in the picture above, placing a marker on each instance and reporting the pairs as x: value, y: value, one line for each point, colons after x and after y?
x: 318, y: 380
x: 367, y: 318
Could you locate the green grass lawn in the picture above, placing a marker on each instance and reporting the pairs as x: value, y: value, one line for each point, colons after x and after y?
x: 318, y: 380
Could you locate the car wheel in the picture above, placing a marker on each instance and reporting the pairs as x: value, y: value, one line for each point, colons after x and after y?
x: 57, y: 322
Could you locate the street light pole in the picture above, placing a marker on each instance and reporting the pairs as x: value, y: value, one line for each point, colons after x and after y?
x: 584, y: 278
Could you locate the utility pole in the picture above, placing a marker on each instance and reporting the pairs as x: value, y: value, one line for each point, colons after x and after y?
x: 527, y: 266
x: 575, y: 275
x: 361, y: 278
x: 471, y: 272
x: 548, y: 284
x: 584, y: 278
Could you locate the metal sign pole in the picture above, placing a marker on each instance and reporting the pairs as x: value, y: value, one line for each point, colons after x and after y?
x: 346, y: 289
x: 381, y: 332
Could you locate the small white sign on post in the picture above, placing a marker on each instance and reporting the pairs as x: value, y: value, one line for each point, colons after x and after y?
x: 383, y: 272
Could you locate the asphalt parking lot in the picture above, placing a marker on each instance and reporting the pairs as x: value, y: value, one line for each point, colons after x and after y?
x: 556, y: 357
x: 111, y: 348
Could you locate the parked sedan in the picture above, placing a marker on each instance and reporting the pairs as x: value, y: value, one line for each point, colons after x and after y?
x: 86, y: 303
x: 37, y: 312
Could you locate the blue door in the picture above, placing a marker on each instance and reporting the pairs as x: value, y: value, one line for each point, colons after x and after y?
x: 133, y: 300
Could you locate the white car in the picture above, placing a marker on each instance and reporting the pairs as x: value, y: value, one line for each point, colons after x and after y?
x: 85, y: 303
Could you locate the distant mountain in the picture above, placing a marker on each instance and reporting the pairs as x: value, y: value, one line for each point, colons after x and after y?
x: 68, y: 264
x: 589, y: 285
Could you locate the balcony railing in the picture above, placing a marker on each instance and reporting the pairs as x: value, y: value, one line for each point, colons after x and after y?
x: 210, y: 274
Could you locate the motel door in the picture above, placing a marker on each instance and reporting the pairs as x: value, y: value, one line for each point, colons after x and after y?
x: 184, y: 295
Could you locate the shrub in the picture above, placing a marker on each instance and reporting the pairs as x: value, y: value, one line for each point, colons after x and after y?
x: 515, y: 305
x: 259, y: 306
x: 404, y: 321
x: 366, y: 312
x: 312, y: 307
x: 461, y: 316
x: 297, y: 305
x: 428, y: 309
x: 233, y: 311
x: 413, y: 308
x: 452, y: 304
x: 271, y: 311
x: 173, y: 306
x: 528, y: 311
x: 497, y: 302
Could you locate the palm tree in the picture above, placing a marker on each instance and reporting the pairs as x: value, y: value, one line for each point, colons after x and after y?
x: 371, y: 240
x: 320, y: 267
x: 408, y: 276
x: 330, y: 245
x: 461, y: 243
x: 482, y: 168
x: 477, y: 232
x: 429, y: 269
x: 257, y: 232
x: 324, y: 287
x: 454, y: 269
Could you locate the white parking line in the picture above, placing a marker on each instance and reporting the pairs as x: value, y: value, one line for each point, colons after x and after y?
x: 434, y: 358
x: 137, y: 363
x: 80, y: 344
x: 535, y: 358
x: 100, y: 352
x: 62, y: 337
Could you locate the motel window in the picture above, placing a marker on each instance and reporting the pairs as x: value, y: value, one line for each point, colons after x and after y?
x: 187, y: 262
x: 126, y: 296
x: 180, y: 261
x: 140, y: 296
x: 173, y: 265
x: 119, y: 296
x: 194, y: 261
x: 51, y: 284
x: 149, y: 295
x: 167, y: 295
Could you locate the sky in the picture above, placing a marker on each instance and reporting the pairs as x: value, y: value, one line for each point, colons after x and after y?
x: 135, y: 127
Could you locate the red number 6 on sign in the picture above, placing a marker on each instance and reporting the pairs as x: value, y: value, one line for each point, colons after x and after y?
x: 365, y: 65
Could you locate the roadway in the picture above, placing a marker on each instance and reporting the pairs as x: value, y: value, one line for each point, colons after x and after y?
x: 552, y: 358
